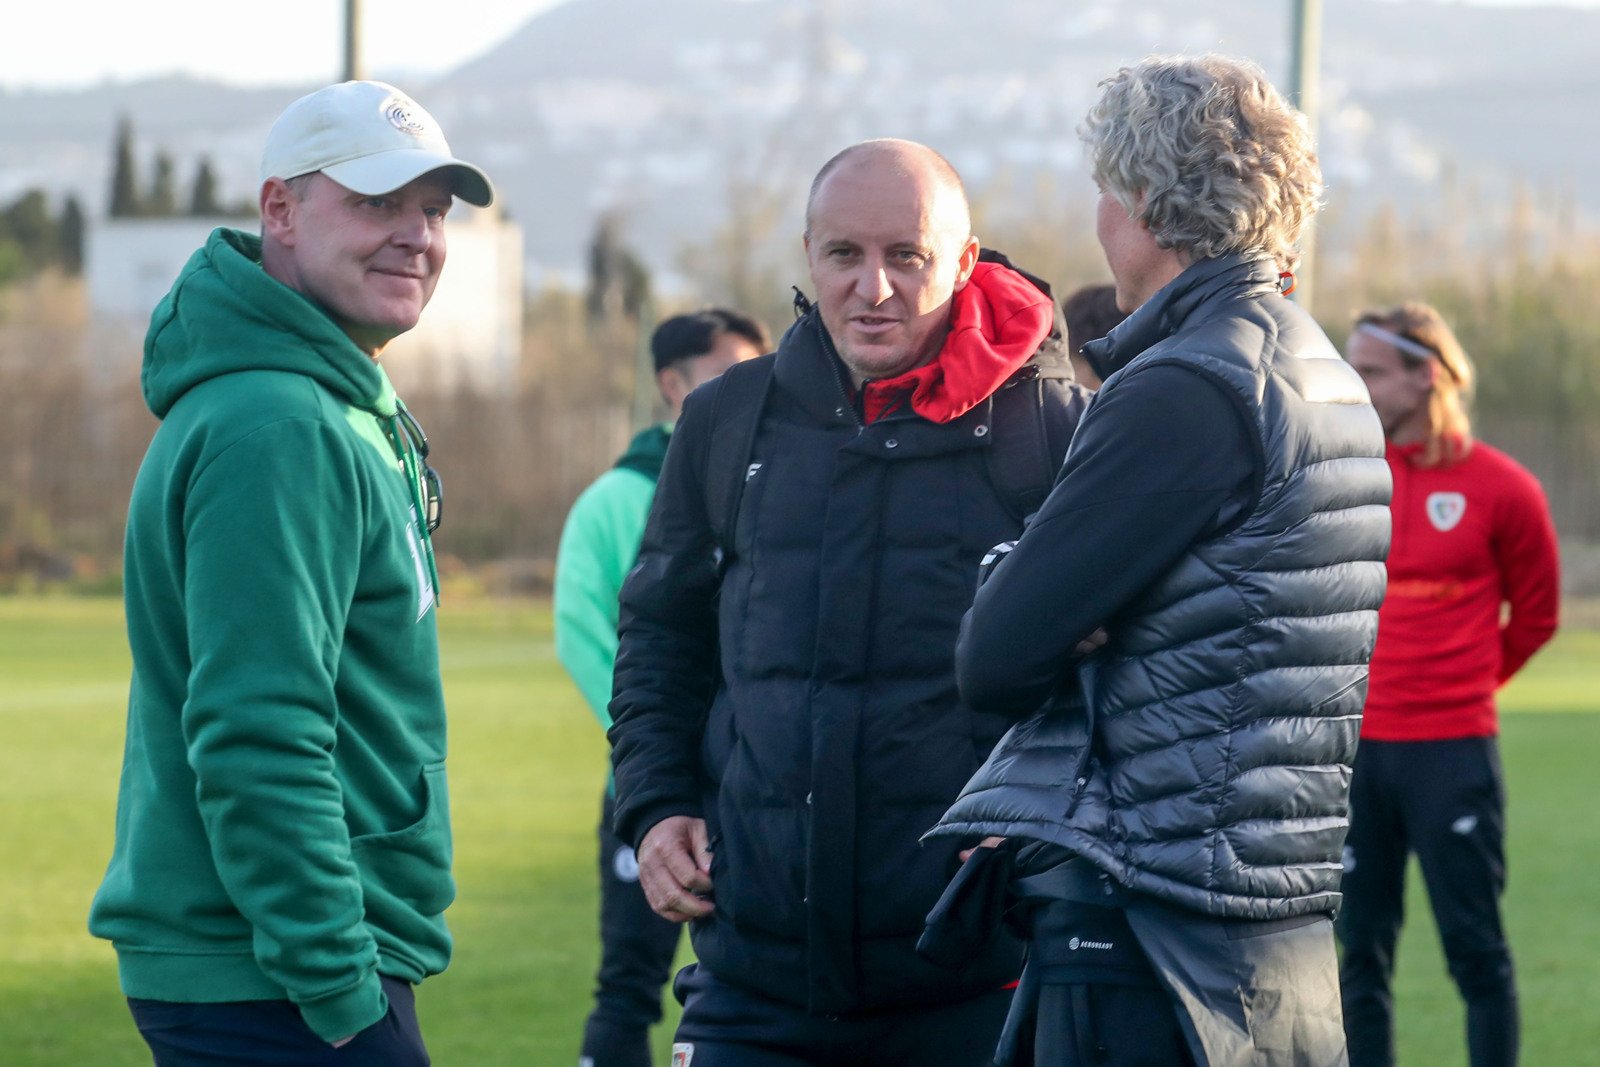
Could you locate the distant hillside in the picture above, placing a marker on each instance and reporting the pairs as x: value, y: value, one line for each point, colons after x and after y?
x: 657, y: 110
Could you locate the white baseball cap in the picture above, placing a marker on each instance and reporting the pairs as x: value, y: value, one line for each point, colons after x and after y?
x: 370, y: 138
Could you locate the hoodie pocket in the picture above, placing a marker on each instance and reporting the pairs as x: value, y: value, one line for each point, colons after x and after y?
x: 411, y: 866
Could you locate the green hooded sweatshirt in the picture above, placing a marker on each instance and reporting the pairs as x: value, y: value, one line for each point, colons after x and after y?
x: 599, y: 544
x: 283, y: 822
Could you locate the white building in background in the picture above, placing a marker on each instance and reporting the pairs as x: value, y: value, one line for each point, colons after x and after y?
x: 129, y: 264
x: 470, y: 334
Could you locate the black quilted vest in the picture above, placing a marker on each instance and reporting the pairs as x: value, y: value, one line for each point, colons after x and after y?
x: 1207, y: 759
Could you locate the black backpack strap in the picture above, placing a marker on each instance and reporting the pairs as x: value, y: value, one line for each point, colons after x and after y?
x: 736, y: 404
x: 1023, y: 460
x: 1035, y: 414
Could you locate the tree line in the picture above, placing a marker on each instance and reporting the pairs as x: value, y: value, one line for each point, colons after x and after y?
x: 132, y: 198
x: 1512, y: 274
x: 33, y: 238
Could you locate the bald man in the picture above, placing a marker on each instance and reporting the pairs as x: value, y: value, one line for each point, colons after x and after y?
x: 786, y: 722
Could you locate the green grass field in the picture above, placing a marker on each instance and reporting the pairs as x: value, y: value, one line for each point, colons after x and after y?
x: 526, y: 768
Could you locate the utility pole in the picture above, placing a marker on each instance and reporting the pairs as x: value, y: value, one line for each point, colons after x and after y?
x: 1305, y: 74
x: 352, y: 40
x: 646, y: 395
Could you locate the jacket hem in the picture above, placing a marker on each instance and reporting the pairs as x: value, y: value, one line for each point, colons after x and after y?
x: 219, y: 977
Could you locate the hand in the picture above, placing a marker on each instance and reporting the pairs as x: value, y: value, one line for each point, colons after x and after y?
x: 1093, y: 643
x: 675, y: 868
x: 988, y: 842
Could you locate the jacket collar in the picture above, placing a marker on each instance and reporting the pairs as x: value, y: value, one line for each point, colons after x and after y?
x: 807, y: 369
x: 647, y: 451
x: 1234, y: 274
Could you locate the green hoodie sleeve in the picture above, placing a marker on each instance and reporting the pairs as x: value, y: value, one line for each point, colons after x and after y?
x: 599, y: 545
x: 269, y: 575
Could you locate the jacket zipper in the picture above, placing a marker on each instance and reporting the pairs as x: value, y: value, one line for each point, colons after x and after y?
x: 834, y: 362
x: 1080, y: 773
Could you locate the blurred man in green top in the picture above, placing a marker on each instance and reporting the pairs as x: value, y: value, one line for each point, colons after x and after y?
x: 282, y: 856
x: 598, y: 547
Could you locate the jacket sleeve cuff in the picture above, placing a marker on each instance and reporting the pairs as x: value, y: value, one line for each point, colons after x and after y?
x: 641, y: 822
x: 348, y: 1011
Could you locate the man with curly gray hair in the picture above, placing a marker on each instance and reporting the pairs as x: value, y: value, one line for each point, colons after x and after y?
x: 1205, y: 155
x: 1182, y: 632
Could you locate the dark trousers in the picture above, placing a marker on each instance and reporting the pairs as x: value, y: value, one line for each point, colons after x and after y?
x: 636, y: 951
x: 1099, y: 1002
x: 1444, y: 800
x: 726, y: 1026
x: 270, y: 1033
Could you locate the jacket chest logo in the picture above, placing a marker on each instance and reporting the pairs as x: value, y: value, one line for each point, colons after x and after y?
x: 1445, y: 510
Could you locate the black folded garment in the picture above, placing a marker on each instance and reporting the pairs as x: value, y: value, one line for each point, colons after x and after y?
x: 967, y: 918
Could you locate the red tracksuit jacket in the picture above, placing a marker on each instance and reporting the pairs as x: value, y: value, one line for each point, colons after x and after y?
x: 1474, y: 590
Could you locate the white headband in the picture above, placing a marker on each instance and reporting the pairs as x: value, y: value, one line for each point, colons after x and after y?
x: 1404, y: 344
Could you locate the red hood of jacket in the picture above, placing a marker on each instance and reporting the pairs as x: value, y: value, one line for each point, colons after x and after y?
x: 997, y: 321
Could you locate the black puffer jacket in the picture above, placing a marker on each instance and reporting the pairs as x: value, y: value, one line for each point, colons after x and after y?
x: 803, y: 700
x: 1208, y: 762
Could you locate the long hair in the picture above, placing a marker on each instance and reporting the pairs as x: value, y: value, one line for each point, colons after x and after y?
x: 1449, y: 425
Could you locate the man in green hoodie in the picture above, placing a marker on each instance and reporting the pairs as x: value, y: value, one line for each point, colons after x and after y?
x: 282, y: 856
x: 598, y: 547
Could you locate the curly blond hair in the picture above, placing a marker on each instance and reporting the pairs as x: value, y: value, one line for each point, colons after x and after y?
x: 1207, y: 154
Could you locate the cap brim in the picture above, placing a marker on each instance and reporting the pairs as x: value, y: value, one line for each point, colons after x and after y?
x: 385, y: 172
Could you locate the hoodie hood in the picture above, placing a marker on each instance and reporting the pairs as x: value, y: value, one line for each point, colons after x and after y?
x: 225, y: 314
x: 647, y: 451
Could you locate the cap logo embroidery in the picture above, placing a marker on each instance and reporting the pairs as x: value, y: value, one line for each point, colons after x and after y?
x: 400, y: 116
x: 1445, y: 510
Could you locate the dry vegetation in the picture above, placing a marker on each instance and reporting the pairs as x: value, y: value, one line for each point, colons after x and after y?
x: 1516, y: 278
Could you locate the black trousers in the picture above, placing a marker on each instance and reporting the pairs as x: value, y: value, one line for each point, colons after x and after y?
x: 1099, y: 1002
x: 636, y: 951
x: 726, y: 1026
x: 271, y: 1033
x: 1445, y: 801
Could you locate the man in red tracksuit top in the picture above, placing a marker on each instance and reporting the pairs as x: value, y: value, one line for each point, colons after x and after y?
x: 1473, y: 593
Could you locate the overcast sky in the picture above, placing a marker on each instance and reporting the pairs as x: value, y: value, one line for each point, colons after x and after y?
x: 57, y: 43
x: 82, y: 43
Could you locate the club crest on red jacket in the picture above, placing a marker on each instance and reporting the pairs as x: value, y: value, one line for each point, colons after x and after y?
x: 1445, y: 510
